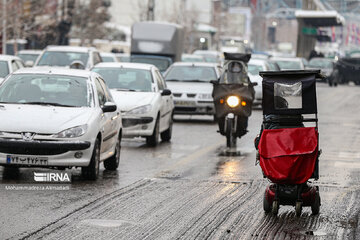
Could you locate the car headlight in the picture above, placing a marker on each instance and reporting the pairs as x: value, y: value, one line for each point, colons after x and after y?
x: 140, y: 110
x: 205, y: 96
x: 72, y: 132
x: 233, y: 101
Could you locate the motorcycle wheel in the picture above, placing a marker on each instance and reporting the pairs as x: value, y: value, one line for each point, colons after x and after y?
x: 230, y: 133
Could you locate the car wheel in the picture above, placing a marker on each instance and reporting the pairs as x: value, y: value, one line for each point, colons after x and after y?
x: 153, y: 140
x: 112, y: 162
x: 166, y: 135
x: 215, y: 118
x: 91, y: 172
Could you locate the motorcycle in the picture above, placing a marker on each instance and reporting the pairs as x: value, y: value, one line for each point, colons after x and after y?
x: 233, y: 97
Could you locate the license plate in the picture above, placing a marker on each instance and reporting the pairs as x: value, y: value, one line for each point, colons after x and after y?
x: 184, y: 103
x: 26, y: 160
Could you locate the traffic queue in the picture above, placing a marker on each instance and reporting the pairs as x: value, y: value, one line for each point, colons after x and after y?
x: 75, y: 105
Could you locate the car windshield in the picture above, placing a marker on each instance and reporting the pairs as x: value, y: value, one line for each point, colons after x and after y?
x: 161, y: 64
x: 62, y: 59
x: 320, y: 63
x: 192, y: 59
x: 123, y: 58
x: 107, y: 59
x: 126, y: 78
x: 211, y: 59
x: 4, y: 69
x: 28, y: 57
x: 255, y: 69
x: 44, y: 89
x: 289, y: 65
x: 191, y: 73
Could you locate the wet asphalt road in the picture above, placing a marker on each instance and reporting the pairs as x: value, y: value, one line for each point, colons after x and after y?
x: 186, y: 189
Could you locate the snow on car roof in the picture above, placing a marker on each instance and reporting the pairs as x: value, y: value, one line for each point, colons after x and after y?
x: 8, y: 57
x: 257, y: 61
x: 196, y: 64
x: 293, y: 59
x: 55, y: 71
x: 69, y: 48
x: 107, y: 54
x: 124, y: 65
x: 29, y: 51
x: 184, y: 55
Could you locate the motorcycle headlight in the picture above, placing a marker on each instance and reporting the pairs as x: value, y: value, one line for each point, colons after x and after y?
x: 233, y: 101
x: 72, y: 132
x: 140, y: 110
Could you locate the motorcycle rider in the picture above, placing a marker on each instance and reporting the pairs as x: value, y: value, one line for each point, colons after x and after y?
x: 235, y: 72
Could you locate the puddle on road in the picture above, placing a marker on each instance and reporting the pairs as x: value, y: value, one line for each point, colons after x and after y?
x: 229, y: 168
x: 108, y: 223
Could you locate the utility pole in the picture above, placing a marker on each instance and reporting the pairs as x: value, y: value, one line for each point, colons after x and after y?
x: 16, y: 36
x: 4, y: 27
x: 65, y: 9
x: 150, y: 12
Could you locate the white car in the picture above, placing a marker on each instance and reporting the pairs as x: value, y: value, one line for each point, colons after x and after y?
x: 65, y: 56
x: 143, y: 98
x: 254, y: 67
x: 191, y: 86
x: 108, y: 57
x: 122, y: 57
x: 289, y: 63
x: 9, y: 64
x: 209, y: 56
x: 59, y: 118
x: 29, y: 56
x: 192, y: 58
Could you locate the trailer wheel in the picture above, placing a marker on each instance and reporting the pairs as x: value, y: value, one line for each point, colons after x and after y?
x: 298, y: 208
x: 275, y: 207
x: 315, y: 206
x: 266, y: 204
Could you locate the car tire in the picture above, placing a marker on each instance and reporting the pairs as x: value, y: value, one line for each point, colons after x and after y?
x: 91, y: 172
x: 153, y: 140
x: 215, y: 119
x: 166, y: 135
x: 112, y: 163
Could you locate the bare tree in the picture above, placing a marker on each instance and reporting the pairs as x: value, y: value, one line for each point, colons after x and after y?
x: 142, y: 7
x: 88, y: 21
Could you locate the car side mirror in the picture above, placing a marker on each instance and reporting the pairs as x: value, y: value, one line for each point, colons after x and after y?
x: 166, y: 92
x: 29, y: 63
x: 254, y: 84
x: 109, y: 107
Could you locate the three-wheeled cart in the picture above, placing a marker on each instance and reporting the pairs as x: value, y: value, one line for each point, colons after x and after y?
x: 288, y: 145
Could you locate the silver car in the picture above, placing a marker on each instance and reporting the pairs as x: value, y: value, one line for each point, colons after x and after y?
x: 191, y: 86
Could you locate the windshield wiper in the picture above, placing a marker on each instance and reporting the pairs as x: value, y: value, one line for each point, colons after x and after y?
x: 48, y: 104
x: 125, y: 89
x: 197, y: 80
x: 173, y: 80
